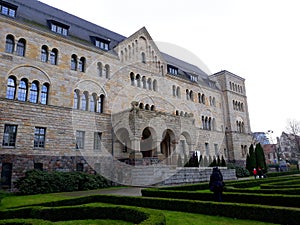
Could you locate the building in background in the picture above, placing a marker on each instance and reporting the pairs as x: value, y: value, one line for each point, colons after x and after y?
x: 72, y: 90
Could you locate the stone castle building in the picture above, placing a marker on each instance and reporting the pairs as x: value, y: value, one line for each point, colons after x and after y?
x: 71, y: 90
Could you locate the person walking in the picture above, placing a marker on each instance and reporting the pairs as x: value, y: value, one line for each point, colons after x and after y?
x: 216, y: 184
x: 254, y: 173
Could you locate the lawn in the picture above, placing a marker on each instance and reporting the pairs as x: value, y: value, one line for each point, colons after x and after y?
x: 172, y: 217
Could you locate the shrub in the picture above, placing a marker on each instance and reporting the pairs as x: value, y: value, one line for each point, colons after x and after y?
x: 40, y: 182
x: 241, y: 172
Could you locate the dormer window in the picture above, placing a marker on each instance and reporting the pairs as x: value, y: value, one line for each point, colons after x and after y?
x: 102, y: 44
x: 58, y: 27
x: 172, y: 70
x: 8, y: 9
x: 193, y: 78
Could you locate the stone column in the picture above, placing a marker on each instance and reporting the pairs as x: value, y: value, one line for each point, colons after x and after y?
x: 135, y: 144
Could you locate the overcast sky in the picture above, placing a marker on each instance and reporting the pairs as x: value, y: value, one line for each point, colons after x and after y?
x: 257, y: 40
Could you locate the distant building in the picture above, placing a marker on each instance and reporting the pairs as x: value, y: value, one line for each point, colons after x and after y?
x: 260, y: 137
x: 289, y: 146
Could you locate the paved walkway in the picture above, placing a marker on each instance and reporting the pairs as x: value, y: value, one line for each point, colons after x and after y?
x: 124, y: 191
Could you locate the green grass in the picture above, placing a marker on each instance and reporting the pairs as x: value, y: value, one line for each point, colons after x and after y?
x: 92, y: 222
x: 180, y: 218
x: 172, y: 217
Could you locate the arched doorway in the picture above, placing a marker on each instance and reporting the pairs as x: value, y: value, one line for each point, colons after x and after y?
x: 147, y: 144
x: 168, y: 143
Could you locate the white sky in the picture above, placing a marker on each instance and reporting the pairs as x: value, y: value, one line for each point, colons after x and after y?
x: 258, y: 40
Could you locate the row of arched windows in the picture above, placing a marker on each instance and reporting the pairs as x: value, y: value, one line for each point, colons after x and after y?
x: 132, y: 51
x: 85, y: 101
x: 143, y: 82
x: 77, y: 64
x: 239, y: 106
x: 201, y: 98
x: 181, y: 113
x: 208, y: 123
x: 11, y: 47
x: 23, y: 90
x: 236, y: 87
x: 244, y: 150
x: 103, y: 70
x: 146, y: 106
x: 212, y: 101
x: 240, y: 127
x: 189, y: 95
x: 49, y: 55
x: 176, y: 91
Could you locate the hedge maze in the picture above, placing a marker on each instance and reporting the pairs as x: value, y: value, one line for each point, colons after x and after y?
x: 274, y: 200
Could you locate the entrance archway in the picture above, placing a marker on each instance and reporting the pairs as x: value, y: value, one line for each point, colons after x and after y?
x: 147, y: 142
x: 168, y: 143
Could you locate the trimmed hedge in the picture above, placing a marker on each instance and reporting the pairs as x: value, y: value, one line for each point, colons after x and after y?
x: 261, y: 199
x: 285, y: 191
x: 40, y: 182
x: 130, y: 214
x: 264, y: 213
x: 25, y: 222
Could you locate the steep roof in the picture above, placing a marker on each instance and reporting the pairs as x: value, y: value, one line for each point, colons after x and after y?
x: 37, y: 14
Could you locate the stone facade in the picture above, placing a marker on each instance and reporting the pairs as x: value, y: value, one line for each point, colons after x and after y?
x: 125, y: 101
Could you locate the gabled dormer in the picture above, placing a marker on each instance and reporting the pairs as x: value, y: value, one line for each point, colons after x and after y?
x: 140, y: 49
x: 58, y: 27
x: 8, y: 9
x: 102, y: 43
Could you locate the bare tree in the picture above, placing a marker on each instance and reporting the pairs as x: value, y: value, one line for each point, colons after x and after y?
x: 293, y: 128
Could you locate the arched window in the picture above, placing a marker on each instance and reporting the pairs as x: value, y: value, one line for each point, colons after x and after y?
x: 84, y: 101
x: 21, y: 47
x: 22, y: 91
x: 141, y: 105
x: 152, y: 108
x: 143, y: 57
x: 149, y: 82
x: 144, y: 82
x: 203, y: 122
x: 100, y: 68
x: 44, y: 94
x: 74, y: 62
x: 155, y: 85
x: 101, y: 104
x: 132, y: 78
x: 44, y: 53
x: 10, y: 44
x: 203, y: 98
x: 187, y: 94
x: 53, y: 56
x: 76, y: 100
x: 209, y: 123
x: 174, y: 90
x: 81, y: 64
x: 178, y: 92
x: 33, y: 97
x: 129, y: 52
x: 122, y: 56
x: 126, y: 54
x: 191, y: 95
x: 92, y: 103
x: 11, y: 88
x: 147, y: 107
x: 214, y: 101
x: 107, y: 71
x: 138, y: 80
x: 213, y: 124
